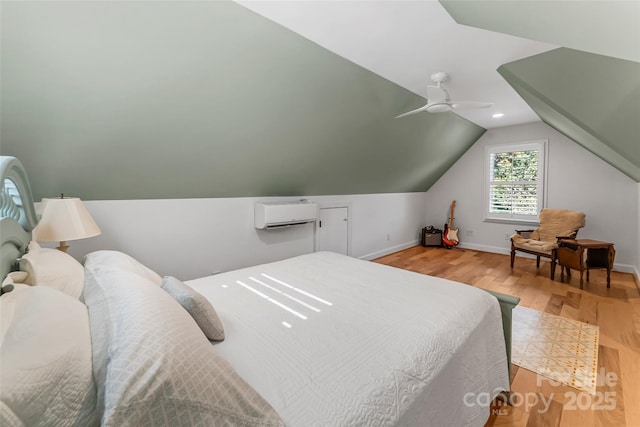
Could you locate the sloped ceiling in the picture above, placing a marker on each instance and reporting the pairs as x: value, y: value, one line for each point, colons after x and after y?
x: 593, y: 99
x: 125, y: 100
x: 610, y: 28
x: 407, y: 41
x: 592, y: 95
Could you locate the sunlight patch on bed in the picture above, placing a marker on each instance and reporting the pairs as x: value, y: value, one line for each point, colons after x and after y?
x: 271, y: 300
x: 284, y: 294
x: 297, y: 290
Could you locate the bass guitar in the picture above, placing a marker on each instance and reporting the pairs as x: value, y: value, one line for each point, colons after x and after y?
x: 450, y: 234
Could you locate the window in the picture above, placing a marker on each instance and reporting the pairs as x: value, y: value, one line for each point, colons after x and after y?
x: 514, y: 181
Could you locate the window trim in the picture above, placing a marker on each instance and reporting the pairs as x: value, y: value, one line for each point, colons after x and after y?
x: 541, y: 145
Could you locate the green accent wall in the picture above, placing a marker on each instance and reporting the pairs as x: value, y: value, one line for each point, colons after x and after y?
x: 129, y: 100
x: 610, y: 27
x: 592, y: 99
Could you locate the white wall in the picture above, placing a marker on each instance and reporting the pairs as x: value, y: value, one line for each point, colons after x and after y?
x: 576, y: 180
x: 191, y: 238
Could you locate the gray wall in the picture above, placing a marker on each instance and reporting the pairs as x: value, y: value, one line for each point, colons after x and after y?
x: 134, y: 100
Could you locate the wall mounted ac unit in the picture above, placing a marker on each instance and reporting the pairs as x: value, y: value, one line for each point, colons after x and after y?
x: 283, y: 214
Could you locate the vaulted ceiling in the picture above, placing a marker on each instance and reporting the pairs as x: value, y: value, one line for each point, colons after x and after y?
x: 610, y: 28
x: 128, y: 100
x: 590, y: 91
x: 407, y: 41
x: 593, y: 99
x: 503, y: 52
x: 124, y: 100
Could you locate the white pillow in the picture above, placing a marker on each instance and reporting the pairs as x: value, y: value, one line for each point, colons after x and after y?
x: 45, y: 348
x: 197, y: 306
x: 154, y: 366
x: 15, y: 277
x: 123, y: 262
x: 54, y: 268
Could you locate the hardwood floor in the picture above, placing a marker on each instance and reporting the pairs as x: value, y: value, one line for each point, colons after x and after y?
x: 616, y: 311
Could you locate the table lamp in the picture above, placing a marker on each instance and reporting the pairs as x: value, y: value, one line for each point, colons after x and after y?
x: 64, y: 219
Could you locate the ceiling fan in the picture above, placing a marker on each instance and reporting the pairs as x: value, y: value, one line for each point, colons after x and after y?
x: 438, y: 100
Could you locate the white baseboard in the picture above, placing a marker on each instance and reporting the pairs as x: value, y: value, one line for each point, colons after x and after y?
x: 485, y: 248
x: 625, y: 268
x: 390, y: 250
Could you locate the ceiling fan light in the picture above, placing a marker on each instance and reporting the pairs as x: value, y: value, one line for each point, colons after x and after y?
x: 439, y: 107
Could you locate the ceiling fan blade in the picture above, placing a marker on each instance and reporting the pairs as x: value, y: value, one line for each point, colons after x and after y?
x: 471, y: 105
x: 419, y: 110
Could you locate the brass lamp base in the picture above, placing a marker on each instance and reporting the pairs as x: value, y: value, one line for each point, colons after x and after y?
x: 62, y: 247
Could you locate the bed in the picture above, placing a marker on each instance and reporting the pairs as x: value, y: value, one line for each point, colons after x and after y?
x: 317, y: 340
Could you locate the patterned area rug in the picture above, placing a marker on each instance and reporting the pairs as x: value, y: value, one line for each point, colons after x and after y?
x: 561, y: 349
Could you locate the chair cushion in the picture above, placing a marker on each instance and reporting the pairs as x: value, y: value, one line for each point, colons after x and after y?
x: 533, y: 245
x: 557, y: 222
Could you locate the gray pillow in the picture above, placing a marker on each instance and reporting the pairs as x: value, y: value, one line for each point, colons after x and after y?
x: 197, y: 306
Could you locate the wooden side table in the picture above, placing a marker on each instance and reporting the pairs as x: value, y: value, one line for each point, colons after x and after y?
x: 585, y: 254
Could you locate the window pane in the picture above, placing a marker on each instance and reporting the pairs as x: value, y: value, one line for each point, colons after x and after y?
x: 514, y: 166
x: 501, y: 167
x: 519, y: 199
x: 525, y: 200
x: 525, y: 165
x: 500, y: 198
x: 515, y: 174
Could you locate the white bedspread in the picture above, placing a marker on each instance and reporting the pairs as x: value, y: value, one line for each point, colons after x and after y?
x: 330, y: 340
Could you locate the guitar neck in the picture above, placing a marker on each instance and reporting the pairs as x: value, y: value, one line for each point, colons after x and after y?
x: 451, y: 215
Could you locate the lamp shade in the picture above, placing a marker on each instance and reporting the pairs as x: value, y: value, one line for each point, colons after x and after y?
x: 64, y: 219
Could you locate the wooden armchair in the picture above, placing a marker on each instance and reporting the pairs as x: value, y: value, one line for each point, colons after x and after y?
x: 542, y: 242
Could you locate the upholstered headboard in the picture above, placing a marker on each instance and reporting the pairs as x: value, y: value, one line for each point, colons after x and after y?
x: 17, y: 213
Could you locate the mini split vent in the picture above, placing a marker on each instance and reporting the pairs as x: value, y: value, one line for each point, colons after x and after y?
x: 284, y: 214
